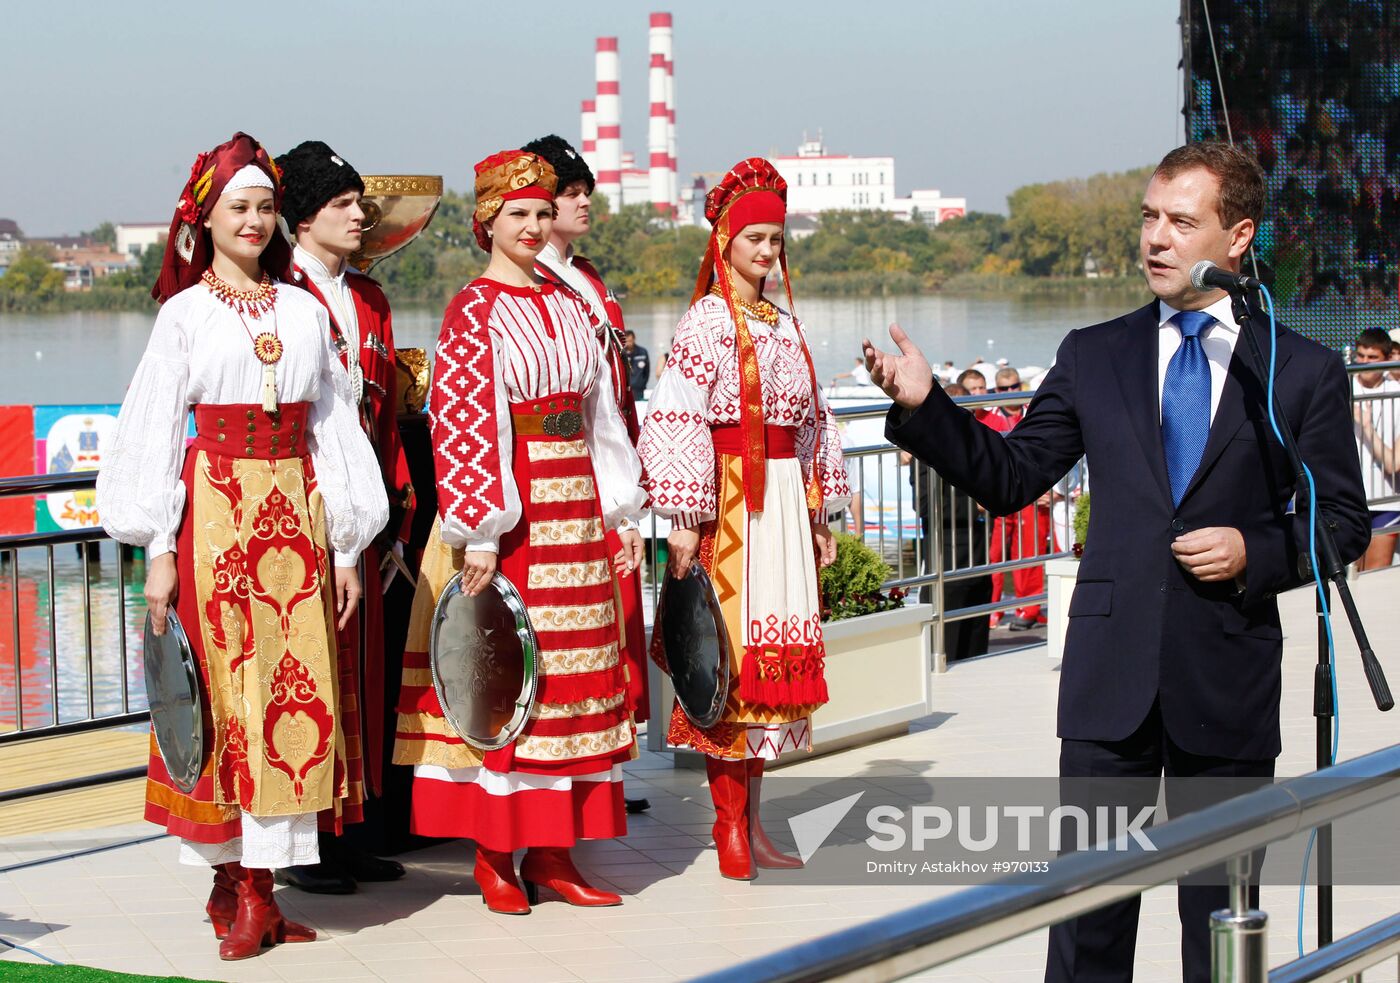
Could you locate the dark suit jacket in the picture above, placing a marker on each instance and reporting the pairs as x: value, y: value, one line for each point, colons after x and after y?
x: 1142, y: 628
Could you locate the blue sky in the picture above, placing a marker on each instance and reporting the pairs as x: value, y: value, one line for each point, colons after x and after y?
x: 108, y: 103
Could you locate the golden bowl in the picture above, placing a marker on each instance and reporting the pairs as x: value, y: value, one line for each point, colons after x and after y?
x: 398, y: 207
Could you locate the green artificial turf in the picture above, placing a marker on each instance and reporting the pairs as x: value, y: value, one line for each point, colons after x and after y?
x: 13, y: 972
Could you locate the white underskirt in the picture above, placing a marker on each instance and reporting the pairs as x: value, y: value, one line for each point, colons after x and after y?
x: 507, y: 783
x: 268, y: 842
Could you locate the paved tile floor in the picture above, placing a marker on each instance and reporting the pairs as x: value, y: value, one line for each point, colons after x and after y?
x: 132, y: 908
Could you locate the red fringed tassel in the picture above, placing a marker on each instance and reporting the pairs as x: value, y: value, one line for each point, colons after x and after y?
x: 776, y: 675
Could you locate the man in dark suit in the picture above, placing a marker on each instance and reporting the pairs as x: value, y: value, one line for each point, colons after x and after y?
x: 1172, y: 659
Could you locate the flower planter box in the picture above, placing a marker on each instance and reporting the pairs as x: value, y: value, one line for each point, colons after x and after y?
x: 1060, y: 577
x: 878, y: 675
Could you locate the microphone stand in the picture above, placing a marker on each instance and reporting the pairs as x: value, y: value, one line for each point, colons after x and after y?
x: 1324, y: 708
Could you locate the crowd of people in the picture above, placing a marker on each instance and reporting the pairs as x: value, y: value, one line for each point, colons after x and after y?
x: 303, y: 554
x: 1311, y: 90
x: 275, y: 542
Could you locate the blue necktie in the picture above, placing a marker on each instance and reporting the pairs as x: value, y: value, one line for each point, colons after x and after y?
x: 1186, y: 403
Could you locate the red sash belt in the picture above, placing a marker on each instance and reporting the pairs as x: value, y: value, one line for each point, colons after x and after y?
x: 778, y: 442
x: 244, y: 430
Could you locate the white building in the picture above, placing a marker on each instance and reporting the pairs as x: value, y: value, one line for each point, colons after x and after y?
x: 134, y: 237
x: 11, y: 240
x: 636, y: 182
x: 930, y: 205
x: 821, y: 182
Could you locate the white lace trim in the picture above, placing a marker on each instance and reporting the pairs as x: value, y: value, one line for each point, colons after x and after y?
x: 267, y: 842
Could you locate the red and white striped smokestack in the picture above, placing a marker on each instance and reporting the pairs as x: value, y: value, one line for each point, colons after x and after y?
x: 671, y: 130
x: 661, y: 23
x: 609, y: 116
x: 588, y: 125
x: 658, y: 122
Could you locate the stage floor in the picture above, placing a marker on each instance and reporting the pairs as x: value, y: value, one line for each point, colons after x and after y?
x: 132, y: 908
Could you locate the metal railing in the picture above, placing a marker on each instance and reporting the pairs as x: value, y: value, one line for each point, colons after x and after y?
x: 939, y: 931
x: 938, y: 542
x: 1382, y: 483
x: 55, y: 600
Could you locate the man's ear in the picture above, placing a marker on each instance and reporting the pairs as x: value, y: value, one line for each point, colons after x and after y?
x: 1240, y: 237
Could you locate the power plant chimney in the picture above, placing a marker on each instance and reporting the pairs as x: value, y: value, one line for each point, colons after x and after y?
x: 588, y: 123
x: 660, y: 138
x: 671, y: 115
x: 609, y: 118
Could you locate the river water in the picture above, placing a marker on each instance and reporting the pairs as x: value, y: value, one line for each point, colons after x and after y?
x: 89, y: 357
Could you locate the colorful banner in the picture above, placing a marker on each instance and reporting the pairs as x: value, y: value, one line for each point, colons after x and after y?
x: 66, y: 439
x: 16, y: 460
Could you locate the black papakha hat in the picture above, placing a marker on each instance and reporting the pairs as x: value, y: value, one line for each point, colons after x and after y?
x: 312, y: 174
x: 569, y: 165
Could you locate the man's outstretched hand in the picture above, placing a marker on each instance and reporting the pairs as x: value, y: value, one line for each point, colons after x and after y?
x: 906, y: 378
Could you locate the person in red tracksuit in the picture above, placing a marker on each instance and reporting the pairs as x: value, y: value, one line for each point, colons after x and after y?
x: 323, y: 213
x: 974, y: 383
x: 557, y: 262
x: 1025, y: 534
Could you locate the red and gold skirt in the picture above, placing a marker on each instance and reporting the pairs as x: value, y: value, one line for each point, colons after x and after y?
x: 763, y: 566
x: 256, y: 600
x: 560, y: 780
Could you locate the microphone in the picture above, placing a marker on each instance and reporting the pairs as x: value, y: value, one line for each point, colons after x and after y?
x: 1205, y: 275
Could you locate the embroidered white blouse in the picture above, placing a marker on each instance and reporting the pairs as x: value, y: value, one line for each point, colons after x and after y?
x: 501, y: 345
x: 700, y: 389
x: 200, y: 352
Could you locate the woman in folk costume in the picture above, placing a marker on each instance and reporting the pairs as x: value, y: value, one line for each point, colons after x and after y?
x: 241, y: 531
x: 533, y: 464
x: 741, y: 452
x: 559, y: 261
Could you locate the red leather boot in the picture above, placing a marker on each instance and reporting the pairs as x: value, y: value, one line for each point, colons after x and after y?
x: 494, y: 873
x: 223, y: 901
x: 765, y: 854
x: 259, y: 922
x: 553, y: 868
x: 729, y: 788
x: 286, y: 930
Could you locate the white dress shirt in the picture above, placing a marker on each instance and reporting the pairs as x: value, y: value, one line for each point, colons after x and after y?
x: 342, y: 307
x: 1218, y: 342
x: 562, y: 266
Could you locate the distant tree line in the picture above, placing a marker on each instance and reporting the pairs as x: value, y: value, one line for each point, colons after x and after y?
x: 1049, y: 232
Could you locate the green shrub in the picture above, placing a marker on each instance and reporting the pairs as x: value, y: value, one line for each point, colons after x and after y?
x: 1081, y: 519
x: 851, y: 586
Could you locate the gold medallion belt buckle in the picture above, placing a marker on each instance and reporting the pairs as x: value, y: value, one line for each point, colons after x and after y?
x: 565, y: 424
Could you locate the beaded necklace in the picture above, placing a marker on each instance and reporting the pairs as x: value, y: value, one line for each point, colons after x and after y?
x: 764, y: 310
x: 267, y: 346
x: 255, y: 303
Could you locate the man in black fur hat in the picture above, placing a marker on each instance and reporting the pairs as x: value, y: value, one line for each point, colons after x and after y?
x: 321, y: 206
x: 559, y: 263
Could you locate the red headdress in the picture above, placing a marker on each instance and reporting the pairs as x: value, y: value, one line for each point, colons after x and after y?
x: 188, y: 250
x: 752, y: 192
x: 507, y: 176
